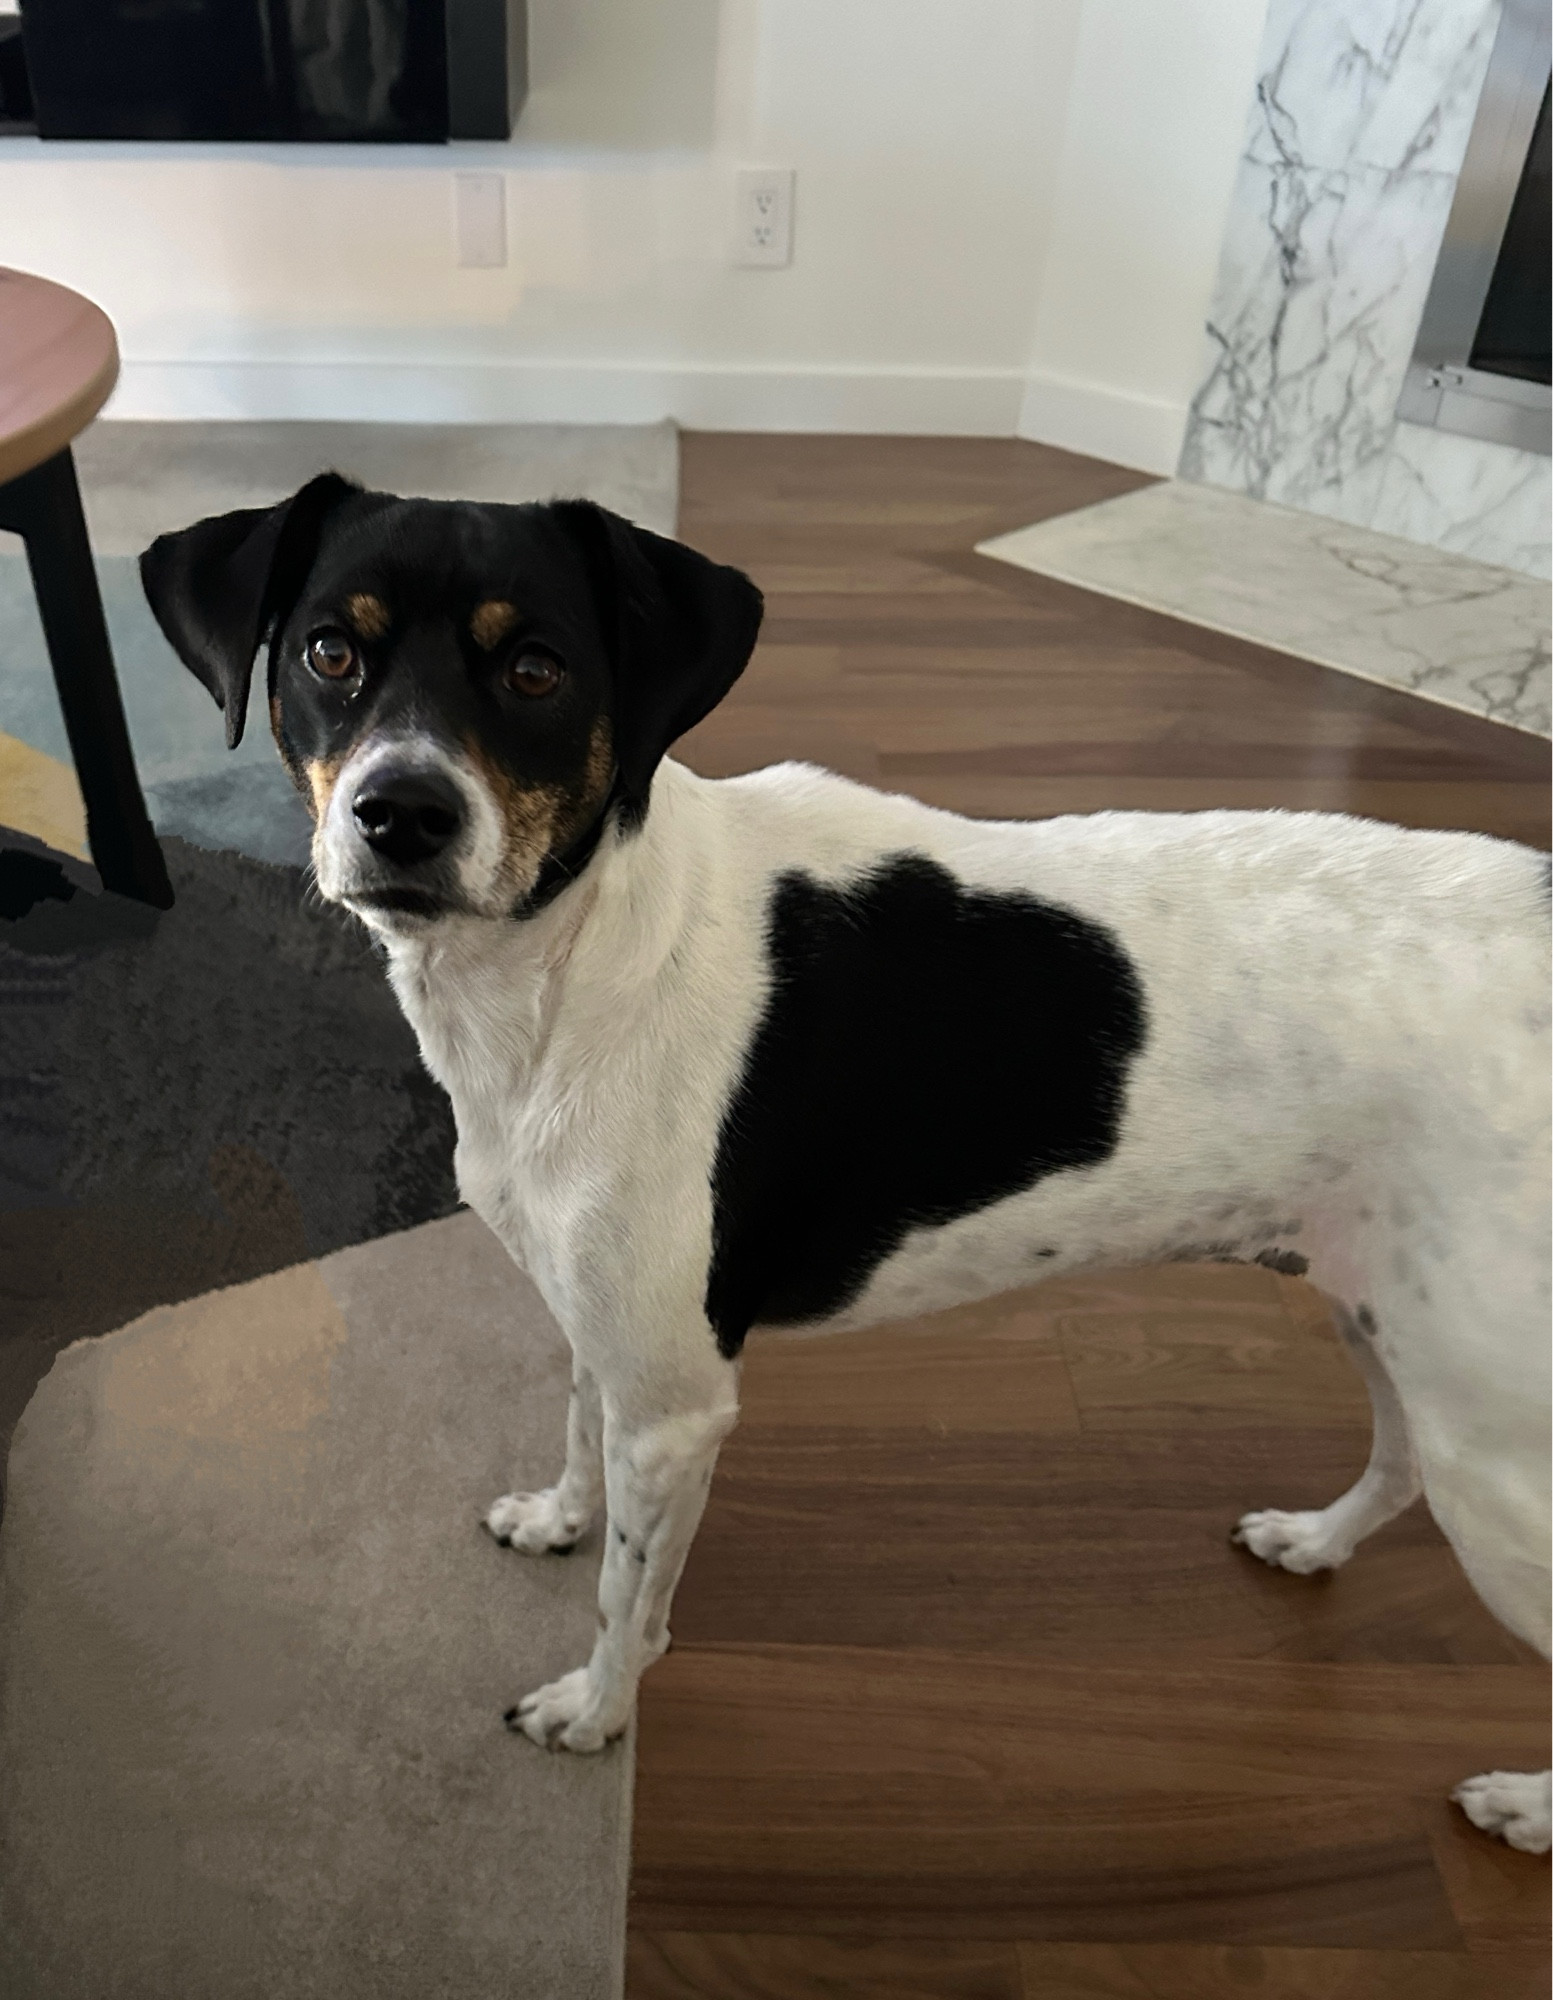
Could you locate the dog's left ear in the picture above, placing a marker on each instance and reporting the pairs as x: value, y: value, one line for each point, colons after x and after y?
x: 681, y: 629
x: 218, y: 588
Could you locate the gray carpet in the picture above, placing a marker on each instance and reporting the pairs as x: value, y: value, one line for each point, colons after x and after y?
x: 256, y: 1649
x: 141, y: 479
x: 191, y: 1097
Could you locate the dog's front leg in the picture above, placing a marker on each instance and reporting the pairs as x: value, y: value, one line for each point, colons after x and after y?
x: 556, y: 1518
x: 656, y: 1476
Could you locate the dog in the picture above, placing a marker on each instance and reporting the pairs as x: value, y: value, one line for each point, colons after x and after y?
x: 782, y: 1051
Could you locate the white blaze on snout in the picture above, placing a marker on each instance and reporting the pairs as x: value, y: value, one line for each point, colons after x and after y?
x: 343, y: 860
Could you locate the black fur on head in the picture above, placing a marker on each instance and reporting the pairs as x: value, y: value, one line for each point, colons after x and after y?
x: 681, y: 630
x: 678, y: 628
x: 218, y: 588
x: 530, y: 664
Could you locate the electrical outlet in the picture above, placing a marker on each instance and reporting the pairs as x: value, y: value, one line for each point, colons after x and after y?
x: 764, y: 212
x: 480, y: 220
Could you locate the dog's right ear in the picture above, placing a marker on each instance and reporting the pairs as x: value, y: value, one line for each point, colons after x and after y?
x: 220, y: 588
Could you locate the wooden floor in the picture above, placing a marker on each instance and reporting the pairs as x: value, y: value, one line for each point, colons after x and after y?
x: 970, y: 1695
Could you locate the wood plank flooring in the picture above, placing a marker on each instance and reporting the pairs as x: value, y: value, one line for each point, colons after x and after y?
x: 970, y: 1695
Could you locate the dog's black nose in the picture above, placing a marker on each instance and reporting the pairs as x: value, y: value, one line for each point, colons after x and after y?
x: 408, y: 816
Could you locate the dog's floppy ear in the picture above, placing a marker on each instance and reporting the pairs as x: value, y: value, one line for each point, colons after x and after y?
x: 220, y: 587
x: 681, y: 629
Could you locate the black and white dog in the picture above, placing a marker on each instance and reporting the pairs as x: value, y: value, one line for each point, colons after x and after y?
x: 782, y: 1051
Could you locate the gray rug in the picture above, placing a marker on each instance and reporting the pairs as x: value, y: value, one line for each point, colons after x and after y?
x: 191, y: 1097
x: 141, y: 479
x: 256, y: 1649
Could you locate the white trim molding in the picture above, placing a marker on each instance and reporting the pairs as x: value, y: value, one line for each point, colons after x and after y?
x: 945, y: 402
x: 1144, y: 432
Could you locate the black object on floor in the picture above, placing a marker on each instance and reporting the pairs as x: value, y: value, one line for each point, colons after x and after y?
x: 29, y: 879
x: 191, y: 1097
x: 43, y: 506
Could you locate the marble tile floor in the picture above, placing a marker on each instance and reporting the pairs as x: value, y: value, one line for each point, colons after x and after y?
x: 1439, y: 625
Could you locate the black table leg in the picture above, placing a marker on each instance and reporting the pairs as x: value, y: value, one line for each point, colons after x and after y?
x: 44, y: 507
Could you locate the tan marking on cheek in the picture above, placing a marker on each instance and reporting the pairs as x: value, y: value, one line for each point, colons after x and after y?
x: 492, y: 621
x: 601, y: 762
x: 368, y: 614
x: 583, y: 799
x: 293, y: 770
x: 528, y: 813
x: 321, y: 775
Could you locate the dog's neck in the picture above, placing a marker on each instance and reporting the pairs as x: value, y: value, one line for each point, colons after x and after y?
x: 485, y: 996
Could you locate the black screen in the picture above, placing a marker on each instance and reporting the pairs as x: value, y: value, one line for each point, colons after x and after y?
x: 1512, y: 336
x: 238, y: 69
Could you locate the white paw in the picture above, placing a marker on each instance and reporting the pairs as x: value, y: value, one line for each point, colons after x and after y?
x: 1513, y: 1804
x: 566, y: 1715
x: 1300, y: 1542
x: 534, y: 1523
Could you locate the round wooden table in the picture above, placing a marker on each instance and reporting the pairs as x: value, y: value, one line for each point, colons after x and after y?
x: 58, y: 364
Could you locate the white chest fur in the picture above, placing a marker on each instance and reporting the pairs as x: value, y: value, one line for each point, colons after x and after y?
x: 480, y: 999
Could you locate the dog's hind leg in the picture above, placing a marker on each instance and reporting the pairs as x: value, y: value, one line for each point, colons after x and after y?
x: 556, y: 1519
x: 1325, y: 1538
x: 1497, y: 1526
x: 1517, y: 1805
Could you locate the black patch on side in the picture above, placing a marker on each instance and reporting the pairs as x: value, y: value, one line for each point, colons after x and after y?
x: 928, y: 1050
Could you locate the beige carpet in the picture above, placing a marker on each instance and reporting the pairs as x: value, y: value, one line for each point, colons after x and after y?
x: 256, y: 1650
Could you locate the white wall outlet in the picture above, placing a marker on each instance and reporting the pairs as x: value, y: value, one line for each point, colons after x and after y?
x: 480, y: 220
x: 764, y: 212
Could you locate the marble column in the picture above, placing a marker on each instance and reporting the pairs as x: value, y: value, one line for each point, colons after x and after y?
x: 1356, y: 136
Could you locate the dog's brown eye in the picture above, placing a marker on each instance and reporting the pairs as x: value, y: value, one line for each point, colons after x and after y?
x: 532, y: 674
x: 332, y: 655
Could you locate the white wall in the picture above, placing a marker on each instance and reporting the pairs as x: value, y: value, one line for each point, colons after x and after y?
x: 1157, y: 113
x: 966, y: 174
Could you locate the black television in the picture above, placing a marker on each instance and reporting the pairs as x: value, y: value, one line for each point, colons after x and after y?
x: 354, y: 71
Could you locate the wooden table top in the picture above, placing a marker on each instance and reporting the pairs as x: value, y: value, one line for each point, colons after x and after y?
x: 58, y: 364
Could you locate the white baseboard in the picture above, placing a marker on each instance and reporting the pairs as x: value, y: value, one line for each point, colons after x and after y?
x: 1141, y: 431
x: 903, y: 402
x: 1079, y: 416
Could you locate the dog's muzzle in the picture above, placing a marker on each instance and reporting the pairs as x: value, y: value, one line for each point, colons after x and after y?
x: 397, y: 838
x: 408, y: 816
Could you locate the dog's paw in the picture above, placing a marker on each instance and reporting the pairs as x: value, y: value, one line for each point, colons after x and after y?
x: 534, y: 1523
x: 1514, y: 1804
x: 566, y: 1715
x: 1299, y: 1542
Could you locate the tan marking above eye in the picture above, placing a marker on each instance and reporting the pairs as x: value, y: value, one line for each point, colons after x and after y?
x: 492, y: 621
x: 368, y: 614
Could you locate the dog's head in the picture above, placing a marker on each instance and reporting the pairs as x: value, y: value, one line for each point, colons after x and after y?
x: 462, y: 693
